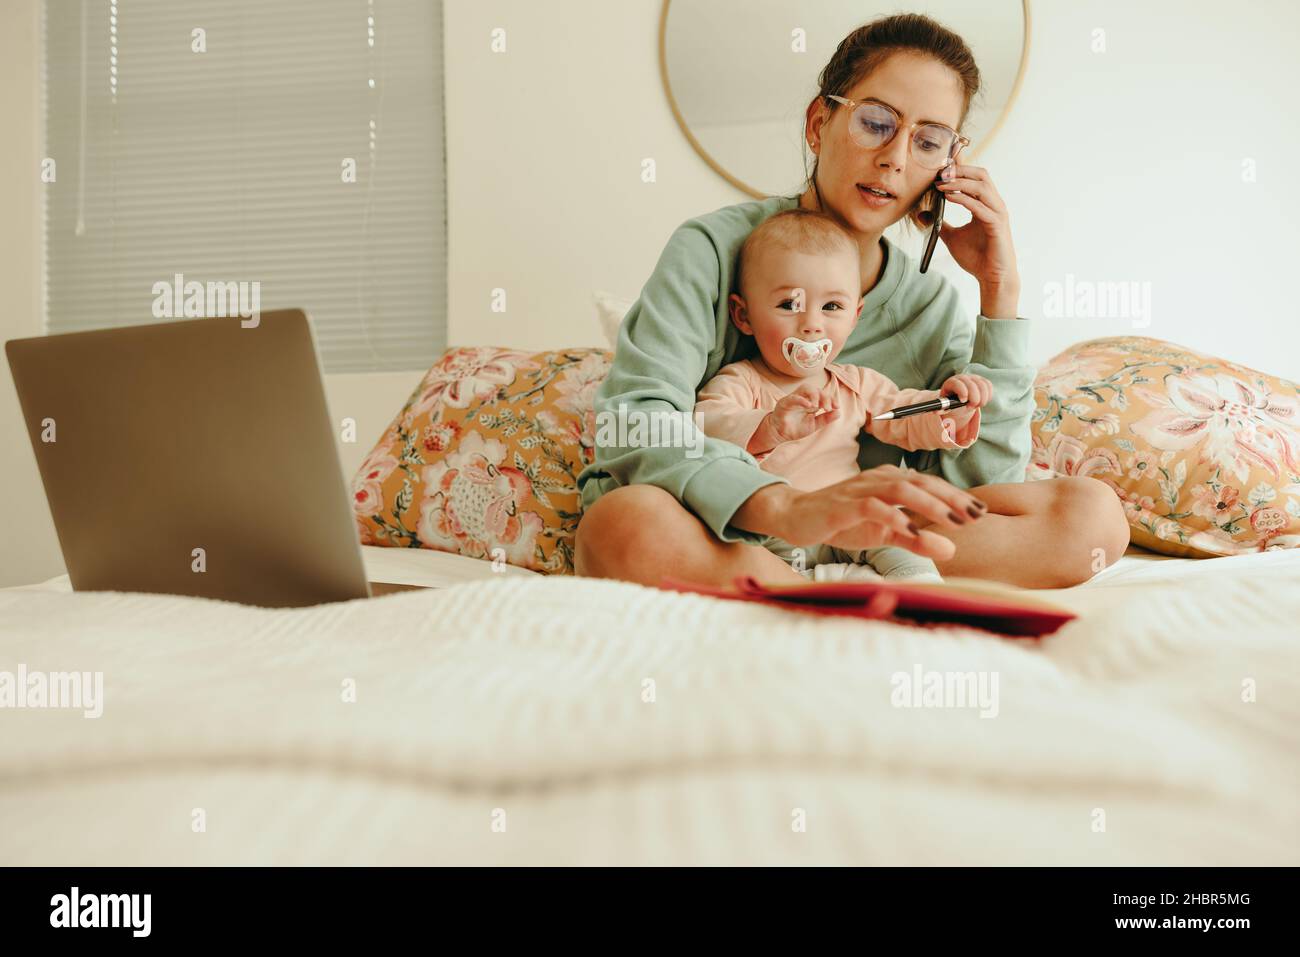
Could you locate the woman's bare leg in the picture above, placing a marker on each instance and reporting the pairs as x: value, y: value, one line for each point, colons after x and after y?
x: 1047, y: 534
x: 640, y: 533
x: 1052, y: 533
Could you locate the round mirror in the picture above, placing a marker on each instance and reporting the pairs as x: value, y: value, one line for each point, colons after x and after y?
x: 740, y: 73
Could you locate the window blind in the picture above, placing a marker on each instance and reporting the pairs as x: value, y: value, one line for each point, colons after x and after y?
x: 296, y: 144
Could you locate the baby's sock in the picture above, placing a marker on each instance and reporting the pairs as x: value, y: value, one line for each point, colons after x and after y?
x: 898, y: 564
x: 843, y: 572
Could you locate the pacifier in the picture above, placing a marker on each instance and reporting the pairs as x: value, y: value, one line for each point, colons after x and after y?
x: 805, y: 354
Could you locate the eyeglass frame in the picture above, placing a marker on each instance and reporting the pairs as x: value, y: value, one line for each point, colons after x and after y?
x: 961, y: 142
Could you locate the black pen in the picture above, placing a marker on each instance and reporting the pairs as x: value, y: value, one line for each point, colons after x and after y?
x: 929, y: 405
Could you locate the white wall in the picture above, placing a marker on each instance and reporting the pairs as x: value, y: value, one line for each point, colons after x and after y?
x: 544, y: 152
x: 545, y: 143
x: 29, y: 550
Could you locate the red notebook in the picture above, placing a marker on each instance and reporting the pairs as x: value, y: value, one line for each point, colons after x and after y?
x: 961, y: 601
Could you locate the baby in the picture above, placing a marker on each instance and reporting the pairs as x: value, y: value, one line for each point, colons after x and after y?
x: 798, y: 412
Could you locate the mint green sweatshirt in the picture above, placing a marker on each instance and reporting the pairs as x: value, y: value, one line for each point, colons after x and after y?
x: 678, y: 334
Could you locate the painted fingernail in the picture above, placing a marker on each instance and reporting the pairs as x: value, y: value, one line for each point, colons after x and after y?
x: 957, y: 519
x: 980, y: 505
x: 973, y: 511
x: 911, y: 527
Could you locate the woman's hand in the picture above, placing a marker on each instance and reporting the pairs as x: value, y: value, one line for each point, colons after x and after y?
x: 862, y: 512
x: 806, y: 410
x: 983, y: 247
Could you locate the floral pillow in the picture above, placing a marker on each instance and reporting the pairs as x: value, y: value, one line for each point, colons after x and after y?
x: 1204, y: 453
x: 483, y: 459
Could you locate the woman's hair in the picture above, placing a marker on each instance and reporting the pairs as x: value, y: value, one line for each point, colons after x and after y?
x: 802, y: 230
x: 863, y: 50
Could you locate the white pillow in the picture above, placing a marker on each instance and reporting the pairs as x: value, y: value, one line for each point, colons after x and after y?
x: 610, y: 310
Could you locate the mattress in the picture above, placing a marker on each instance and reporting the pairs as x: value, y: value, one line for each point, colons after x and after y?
x: 1139, y: 566
x: 521, y: 719
x: 399, y: 566
x: 433, y: 569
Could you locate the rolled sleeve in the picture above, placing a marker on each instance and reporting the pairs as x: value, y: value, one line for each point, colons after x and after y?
x: 717, y: 490
x: 999, y: 351
x: 1001, y: 343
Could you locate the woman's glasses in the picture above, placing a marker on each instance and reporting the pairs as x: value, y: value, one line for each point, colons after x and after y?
x: 874, y: 125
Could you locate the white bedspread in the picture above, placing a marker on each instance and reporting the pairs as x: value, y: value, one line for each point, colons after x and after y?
x: 769, y: 737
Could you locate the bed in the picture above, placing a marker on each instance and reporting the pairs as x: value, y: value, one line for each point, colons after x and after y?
x: 524, y: 719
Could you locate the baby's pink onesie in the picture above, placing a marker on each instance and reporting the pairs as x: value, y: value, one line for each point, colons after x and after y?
x: 731, y: 405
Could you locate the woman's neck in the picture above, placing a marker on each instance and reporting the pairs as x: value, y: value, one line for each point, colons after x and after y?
x: 871, y: 253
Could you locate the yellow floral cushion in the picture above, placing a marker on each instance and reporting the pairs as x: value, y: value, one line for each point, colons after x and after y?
x: 1204, y: 453
x: 483, y: 459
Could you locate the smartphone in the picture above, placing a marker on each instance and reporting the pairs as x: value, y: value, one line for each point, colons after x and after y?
x: 937, y: 207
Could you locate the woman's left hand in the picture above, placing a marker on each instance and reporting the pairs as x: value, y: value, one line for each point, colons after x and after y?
x: 983, y: 246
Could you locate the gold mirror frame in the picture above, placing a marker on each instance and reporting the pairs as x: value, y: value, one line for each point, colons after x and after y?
x: 745, y: 187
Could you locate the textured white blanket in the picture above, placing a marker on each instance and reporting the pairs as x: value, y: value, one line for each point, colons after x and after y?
x: 573, y: 721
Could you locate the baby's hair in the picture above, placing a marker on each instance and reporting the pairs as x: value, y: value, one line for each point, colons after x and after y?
x: 798, y: 229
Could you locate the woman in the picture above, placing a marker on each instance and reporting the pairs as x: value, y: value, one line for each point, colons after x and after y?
x: 885, y: 97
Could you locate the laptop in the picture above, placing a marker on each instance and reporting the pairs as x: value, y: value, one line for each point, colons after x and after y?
x: 193, y: 458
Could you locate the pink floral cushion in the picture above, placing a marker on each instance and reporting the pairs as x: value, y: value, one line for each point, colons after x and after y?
x: 483, y: 459
x: 1204, y: 453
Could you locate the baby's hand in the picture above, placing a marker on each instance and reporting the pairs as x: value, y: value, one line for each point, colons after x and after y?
x: 806, y: 410
x: 975, y: 389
